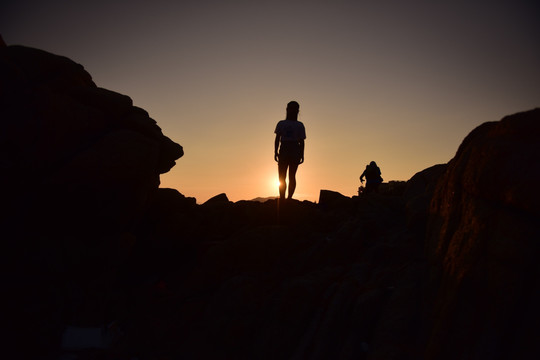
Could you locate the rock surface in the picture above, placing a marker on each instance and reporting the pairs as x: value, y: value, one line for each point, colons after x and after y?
x: 484, y: 237
x: 78, y: 165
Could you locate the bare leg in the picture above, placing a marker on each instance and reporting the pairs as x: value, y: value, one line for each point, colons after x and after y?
x: 292, y: 179
x: 282, y: 173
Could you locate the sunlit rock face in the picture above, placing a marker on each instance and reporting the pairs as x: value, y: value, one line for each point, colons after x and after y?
x: 484, y: 234
x: 78, y: 164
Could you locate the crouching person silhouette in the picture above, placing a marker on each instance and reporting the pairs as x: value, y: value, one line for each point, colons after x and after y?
x: 373, y: 175
x: 289, y: 148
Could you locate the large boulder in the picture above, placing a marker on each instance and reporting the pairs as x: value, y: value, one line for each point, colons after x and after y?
x: 483, y: 237
x: 67, y: 142
x: 329, y: 199
x: 78, y: 165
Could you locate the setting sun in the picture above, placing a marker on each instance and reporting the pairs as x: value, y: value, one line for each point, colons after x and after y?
x: 274, y: 185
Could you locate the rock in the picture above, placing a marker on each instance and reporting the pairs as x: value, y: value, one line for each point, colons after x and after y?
x: 39, y: 68
x: 169, y: 201
x: 68, y: 139
x: 78, y: 165
x: 396, y: 188
x: 307, y: 283
x: 333, y: 199
x: 483, y: 237
x: 218, y: 199
x: 417, y: 196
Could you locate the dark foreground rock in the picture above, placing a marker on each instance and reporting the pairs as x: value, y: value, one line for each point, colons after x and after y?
x: 269, y: 280
x: 104, y: 265
x: 78, y: 165
x: 484, y: 241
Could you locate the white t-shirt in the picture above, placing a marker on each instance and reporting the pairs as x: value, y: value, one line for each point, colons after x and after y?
x: 290, y: 130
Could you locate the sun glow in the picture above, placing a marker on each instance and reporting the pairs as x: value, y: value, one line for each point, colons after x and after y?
x: 273, y: 185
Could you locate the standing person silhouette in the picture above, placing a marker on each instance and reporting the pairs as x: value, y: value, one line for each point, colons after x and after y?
x: 289, y: 148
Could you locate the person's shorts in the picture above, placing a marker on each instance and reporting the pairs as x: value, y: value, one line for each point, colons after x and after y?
x: 290, y: 153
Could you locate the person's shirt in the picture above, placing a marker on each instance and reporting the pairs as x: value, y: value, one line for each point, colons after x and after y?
x: 290, y: 130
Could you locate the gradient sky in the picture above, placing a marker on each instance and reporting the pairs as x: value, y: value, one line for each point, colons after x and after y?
x: 398, y: 82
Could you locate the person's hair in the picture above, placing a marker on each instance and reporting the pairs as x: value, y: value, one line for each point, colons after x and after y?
x: 373, y: 163
x: 292, y: 110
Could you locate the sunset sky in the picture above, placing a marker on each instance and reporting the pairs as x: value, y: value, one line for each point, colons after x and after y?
x: 398, y: 82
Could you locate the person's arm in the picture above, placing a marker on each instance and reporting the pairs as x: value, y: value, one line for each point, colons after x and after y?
x: 362, y: 176
x: 302, y: 145
x: 276, y: 147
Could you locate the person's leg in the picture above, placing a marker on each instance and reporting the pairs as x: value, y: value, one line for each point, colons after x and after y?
x: 292, y: 179
x: 282, y: 173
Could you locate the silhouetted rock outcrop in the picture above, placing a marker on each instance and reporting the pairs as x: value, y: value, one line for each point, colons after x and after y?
x: 218, y: 199
x: 333, y: 199
x: 78, y: 165
x: 484, y: 237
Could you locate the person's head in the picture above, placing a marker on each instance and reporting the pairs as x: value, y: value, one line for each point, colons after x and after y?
x: 292, y: 110
x: 373, y: 163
